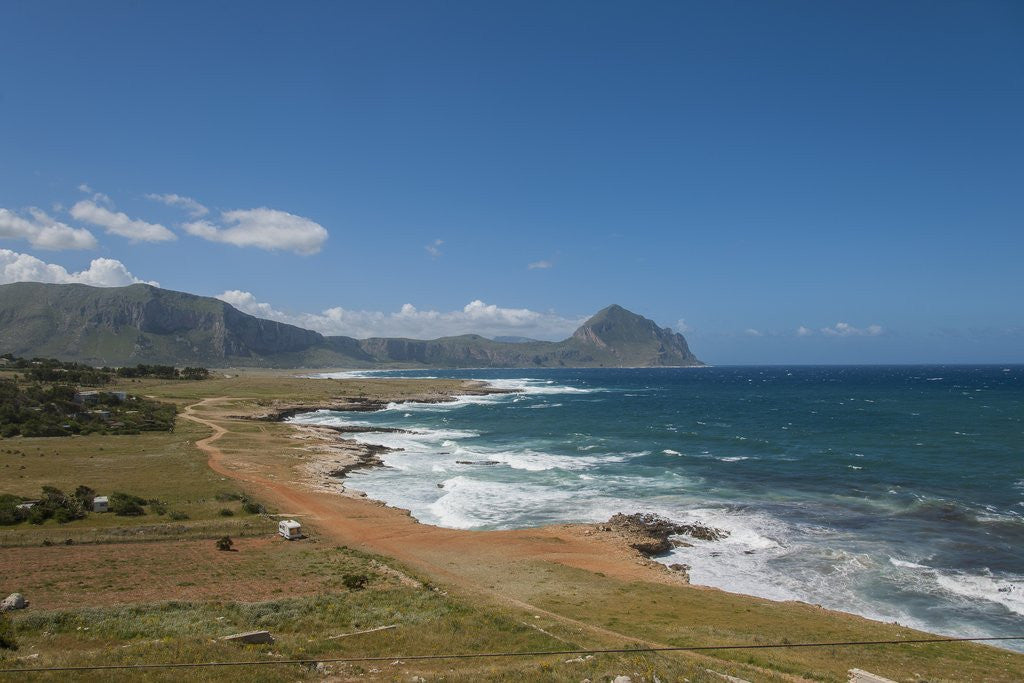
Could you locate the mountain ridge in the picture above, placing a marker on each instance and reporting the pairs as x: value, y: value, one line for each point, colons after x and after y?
x: 144, y: 324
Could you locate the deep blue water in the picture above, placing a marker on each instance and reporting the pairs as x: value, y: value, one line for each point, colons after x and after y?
x: 892, y: 492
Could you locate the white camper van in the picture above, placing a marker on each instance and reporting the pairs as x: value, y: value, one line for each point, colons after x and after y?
x: 290, y: 529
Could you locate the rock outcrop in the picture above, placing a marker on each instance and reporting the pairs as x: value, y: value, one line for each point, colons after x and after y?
x: 651, y: 535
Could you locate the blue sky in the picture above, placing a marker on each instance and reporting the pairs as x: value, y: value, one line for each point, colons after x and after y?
x: 785, y: 182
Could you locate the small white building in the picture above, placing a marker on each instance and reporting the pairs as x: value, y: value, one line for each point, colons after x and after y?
x: 100, y: 504
x: 290, y: 529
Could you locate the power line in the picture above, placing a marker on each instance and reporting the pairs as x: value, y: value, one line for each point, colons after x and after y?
x: 483, y: 655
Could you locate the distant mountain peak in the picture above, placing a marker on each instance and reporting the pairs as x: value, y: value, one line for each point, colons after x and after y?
x: 632, y: 338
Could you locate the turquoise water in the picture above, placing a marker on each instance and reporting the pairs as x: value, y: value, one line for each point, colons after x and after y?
x: 892, y: 492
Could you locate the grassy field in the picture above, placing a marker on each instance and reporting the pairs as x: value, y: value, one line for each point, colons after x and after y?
x: 155, y: 589
x: 153, y: 465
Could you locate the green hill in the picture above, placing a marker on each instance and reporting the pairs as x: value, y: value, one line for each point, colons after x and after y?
x: 144, y: 324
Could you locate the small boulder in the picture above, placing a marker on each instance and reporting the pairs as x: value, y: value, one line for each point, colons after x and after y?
x: 12, y: 602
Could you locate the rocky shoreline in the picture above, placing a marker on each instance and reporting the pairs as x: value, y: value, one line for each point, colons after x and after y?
x: 339, y: 456
x: 279, y: 411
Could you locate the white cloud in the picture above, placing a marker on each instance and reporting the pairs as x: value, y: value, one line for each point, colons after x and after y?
x: 194, y: 208
x: 434, y: 248
x: 751, y: 332
x: 804, y: 331
x: 476, y: 317
x: 118, y: 223
x: 246, y: 301
x: 85, y: 188
x: 540, y: 265
x: 43, y: 232
x: 263, y: 228
x: 682, y: 327
x: 847, y: 330
x: 102, y: 272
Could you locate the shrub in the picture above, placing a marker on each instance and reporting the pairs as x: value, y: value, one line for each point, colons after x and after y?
x: 178, y: 516
x: 39, y: 514
x: 9, y: 512
x: 85, y: 496
x: 355, y: 582
x: 7, y: 641
x: 126, y: 505
x: 253, y: 508
x: 224, y: 543
x: 224, y: 512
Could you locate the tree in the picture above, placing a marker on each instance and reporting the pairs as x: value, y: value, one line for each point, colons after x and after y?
x: 85, y: 496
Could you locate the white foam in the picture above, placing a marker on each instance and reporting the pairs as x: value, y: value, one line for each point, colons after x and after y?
x: 733, y: 458
x: 906, y: 564
x: 468, y: 503
x: 1005, y: 591
x: 459, y: 401
x: 536, y: 461
x: 536, y: 386
x: 344, y: 374
x: 327, y: 418
x: 669, y: 451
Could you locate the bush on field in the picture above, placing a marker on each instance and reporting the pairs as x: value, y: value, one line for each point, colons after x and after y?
x: 355, y: 582
x: 253, y: 508
x: 7, y: 641
x: 9, y: 512
x: 126, y: 505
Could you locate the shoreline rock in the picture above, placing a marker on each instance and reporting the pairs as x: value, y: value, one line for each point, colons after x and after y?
x: 651, y: 535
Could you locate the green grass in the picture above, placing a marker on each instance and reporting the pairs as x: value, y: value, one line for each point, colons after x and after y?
x: 164, y: 466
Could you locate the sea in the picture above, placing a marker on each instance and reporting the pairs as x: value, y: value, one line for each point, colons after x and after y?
x: 896, y: 493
